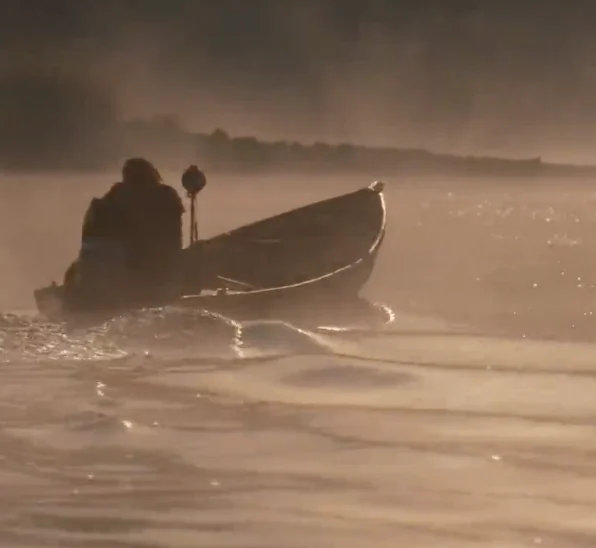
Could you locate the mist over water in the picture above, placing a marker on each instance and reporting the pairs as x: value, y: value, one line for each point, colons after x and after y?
x: 507, y: 254
x: 470, y: 78
x: 465, y: 422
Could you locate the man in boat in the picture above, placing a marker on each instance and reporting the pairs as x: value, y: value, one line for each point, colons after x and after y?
x: 131, y: 240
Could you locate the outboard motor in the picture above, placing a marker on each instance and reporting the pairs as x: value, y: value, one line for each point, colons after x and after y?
x: 193, y: 181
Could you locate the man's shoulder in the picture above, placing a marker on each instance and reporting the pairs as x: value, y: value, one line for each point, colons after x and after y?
x: 171, y: 195
x: 169, y: 190
x: 114, y: 190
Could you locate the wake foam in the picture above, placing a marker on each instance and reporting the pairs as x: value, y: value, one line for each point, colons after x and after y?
x: 171, y: 333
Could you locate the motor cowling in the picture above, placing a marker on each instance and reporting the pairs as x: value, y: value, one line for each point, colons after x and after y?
x: 193, y: 180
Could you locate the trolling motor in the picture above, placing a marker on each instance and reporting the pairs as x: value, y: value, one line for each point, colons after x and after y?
x: 193, y: 181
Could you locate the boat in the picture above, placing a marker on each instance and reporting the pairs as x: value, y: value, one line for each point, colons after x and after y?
x: 321, y: 251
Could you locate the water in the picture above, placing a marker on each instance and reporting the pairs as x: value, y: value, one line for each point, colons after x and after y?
x: 467, y: 422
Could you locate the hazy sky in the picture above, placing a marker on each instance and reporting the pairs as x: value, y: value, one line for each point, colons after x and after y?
x: 482, y: 77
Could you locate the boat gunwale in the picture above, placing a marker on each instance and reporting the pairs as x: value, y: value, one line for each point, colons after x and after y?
x: 378, y: 188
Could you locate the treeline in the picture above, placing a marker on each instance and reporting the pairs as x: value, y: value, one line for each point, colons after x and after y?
x: 170, y: 145
x: 165, y: 141
x: 51, y: 120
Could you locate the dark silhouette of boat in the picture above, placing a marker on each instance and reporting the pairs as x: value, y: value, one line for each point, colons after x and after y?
x: 320, y: 252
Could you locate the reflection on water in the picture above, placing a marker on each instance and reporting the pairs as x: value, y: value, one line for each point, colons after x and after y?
x: 467, y: 422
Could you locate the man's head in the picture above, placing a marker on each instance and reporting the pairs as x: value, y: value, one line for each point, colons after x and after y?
x: 139, y: 171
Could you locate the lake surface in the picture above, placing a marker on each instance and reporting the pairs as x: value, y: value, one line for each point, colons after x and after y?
x: 467, y: 422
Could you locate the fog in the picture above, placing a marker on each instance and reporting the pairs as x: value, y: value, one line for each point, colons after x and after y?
x: 471, y: 78
x: 467, y: 422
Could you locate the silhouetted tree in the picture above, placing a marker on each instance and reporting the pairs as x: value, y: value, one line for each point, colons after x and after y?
x: 216, y: 149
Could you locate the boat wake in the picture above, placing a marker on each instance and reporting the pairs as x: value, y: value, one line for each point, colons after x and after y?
x: 178, y: 334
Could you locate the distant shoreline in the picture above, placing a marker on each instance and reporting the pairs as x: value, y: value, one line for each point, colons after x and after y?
x: 461, y: 170
x: 171, y: 147
x: 76, y: 128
